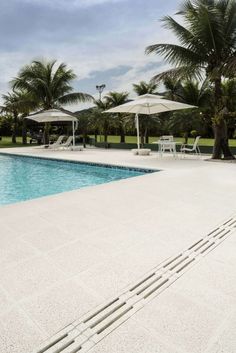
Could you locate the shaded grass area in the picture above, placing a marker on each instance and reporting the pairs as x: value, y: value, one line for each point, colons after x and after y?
x: 132, y: 139
x: 6, y: 142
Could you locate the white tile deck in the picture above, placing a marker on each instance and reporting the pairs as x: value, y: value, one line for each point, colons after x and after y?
x: 64, y: 254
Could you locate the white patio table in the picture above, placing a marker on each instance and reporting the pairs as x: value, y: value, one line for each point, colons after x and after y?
x: 164, y: 146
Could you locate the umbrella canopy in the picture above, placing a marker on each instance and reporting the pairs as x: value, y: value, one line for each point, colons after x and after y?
x: 55, y: 115
x: 148, y: 104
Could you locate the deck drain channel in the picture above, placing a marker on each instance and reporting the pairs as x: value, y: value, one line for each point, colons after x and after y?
x: 53, y: 343
x: 173, y: 260
x: 107, y: 315
x: 148, y: 285
x: 142, y: 282
x: 114, y: 320
x: 156, y: 288
x: 81, y: 335
x: 101, y: 310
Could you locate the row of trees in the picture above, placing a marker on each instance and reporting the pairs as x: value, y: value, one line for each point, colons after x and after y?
x: 187, y: 91
x: 204, y: 62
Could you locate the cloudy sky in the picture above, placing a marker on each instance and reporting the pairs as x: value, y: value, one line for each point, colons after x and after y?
x: 103, y: 41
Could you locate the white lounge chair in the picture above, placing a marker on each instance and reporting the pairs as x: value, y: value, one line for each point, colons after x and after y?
x: 191, y: 148
x: 57, y: 143
x: 67, y: 144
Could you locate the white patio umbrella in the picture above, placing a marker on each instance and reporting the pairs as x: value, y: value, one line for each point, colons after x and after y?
x: 148, y: 104
x: 55, y: 115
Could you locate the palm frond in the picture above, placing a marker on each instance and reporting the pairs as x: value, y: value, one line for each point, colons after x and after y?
x: 74, y: 98
x: 179, y: 73
x: 176, y: 55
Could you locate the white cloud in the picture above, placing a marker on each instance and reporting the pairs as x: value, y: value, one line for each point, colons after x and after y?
x: 69, y: 4
x: 121, y: 42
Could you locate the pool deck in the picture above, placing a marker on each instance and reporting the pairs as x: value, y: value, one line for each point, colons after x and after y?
x: 64, y: 255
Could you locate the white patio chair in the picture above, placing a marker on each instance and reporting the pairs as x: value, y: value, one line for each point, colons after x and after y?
x: 191, y: 148
x: 57, y: 143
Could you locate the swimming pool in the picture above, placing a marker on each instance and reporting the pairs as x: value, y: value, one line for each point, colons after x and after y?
x: 24, y: 178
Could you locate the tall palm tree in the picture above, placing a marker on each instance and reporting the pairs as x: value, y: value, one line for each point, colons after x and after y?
x: 207, y: 46
x: 114, y: 99
x: 49, y: 84
x: 15, y: 103
x: 145, y: 121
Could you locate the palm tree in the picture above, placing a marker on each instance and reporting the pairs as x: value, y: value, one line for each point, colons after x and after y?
x: 114, y: 99
x: 207, y: 46
x: 190, y: 92
x: 49, y: 84
x: 145, y: 121
x: 145, y: 87
x: 102, y: 121
x: 15, y: 103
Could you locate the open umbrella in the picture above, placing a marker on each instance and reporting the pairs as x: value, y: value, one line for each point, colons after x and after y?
x: 55, y: 115
x: 148, y: 104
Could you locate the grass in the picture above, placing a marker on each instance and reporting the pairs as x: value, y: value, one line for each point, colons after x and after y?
x: 133, y: 139
x: 6, y: 142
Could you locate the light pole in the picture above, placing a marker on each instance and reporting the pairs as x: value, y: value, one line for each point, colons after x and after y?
x: 100, y: 89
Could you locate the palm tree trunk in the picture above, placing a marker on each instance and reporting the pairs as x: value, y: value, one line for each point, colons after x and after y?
x: 14, y: 130
x: 122, y: 134
x: 46, y: 134
x: 84, y: 138
x: 221, y: 145
x: 146, y: 135
x: 24, y: 133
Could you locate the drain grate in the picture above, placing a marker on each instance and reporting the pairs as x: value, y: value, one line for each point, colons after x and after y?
x: 83, y: 334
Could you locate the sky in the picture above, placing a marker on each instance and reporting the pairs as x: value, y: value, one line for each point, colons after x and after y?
x: 103, y: 41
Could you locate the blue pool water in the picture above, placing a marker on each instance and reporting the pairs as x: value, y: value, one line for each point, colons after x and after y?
x: 24, y: 178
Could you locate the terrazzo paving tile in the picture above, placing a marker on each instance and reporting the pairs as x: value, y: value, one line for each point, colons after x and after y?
x: 60, y: 305
x: 175, y: 318
x: 6, y: 302
x: 23, y: 223
x: 225, y: 341
x: 16, y: 252
x: 198, y: 285
x: 113, y: 240
x: 29, y: 277
x: 143, y: 257
x: 108, y: 278
x: 76, y: 257
x: 50, y: 238
x: 18, y: 333
x: 7, y: 236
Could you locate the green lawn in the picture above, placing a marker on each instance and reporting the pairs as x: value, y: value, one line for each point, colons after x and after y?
x: 132, y: 139
x: 6, y: 142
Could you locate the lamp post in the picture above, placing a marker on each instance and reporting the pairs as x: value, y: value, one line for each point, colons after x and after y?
x: 100, y: 89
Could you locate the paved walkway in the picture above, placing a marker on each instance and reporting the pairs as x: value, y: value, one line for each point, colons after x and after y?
x: 63, y: 255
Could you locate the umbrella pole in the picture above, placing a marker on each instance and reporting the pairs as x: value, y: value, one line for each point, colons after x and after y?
x: 137, y: 127
x: 73, y: 132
